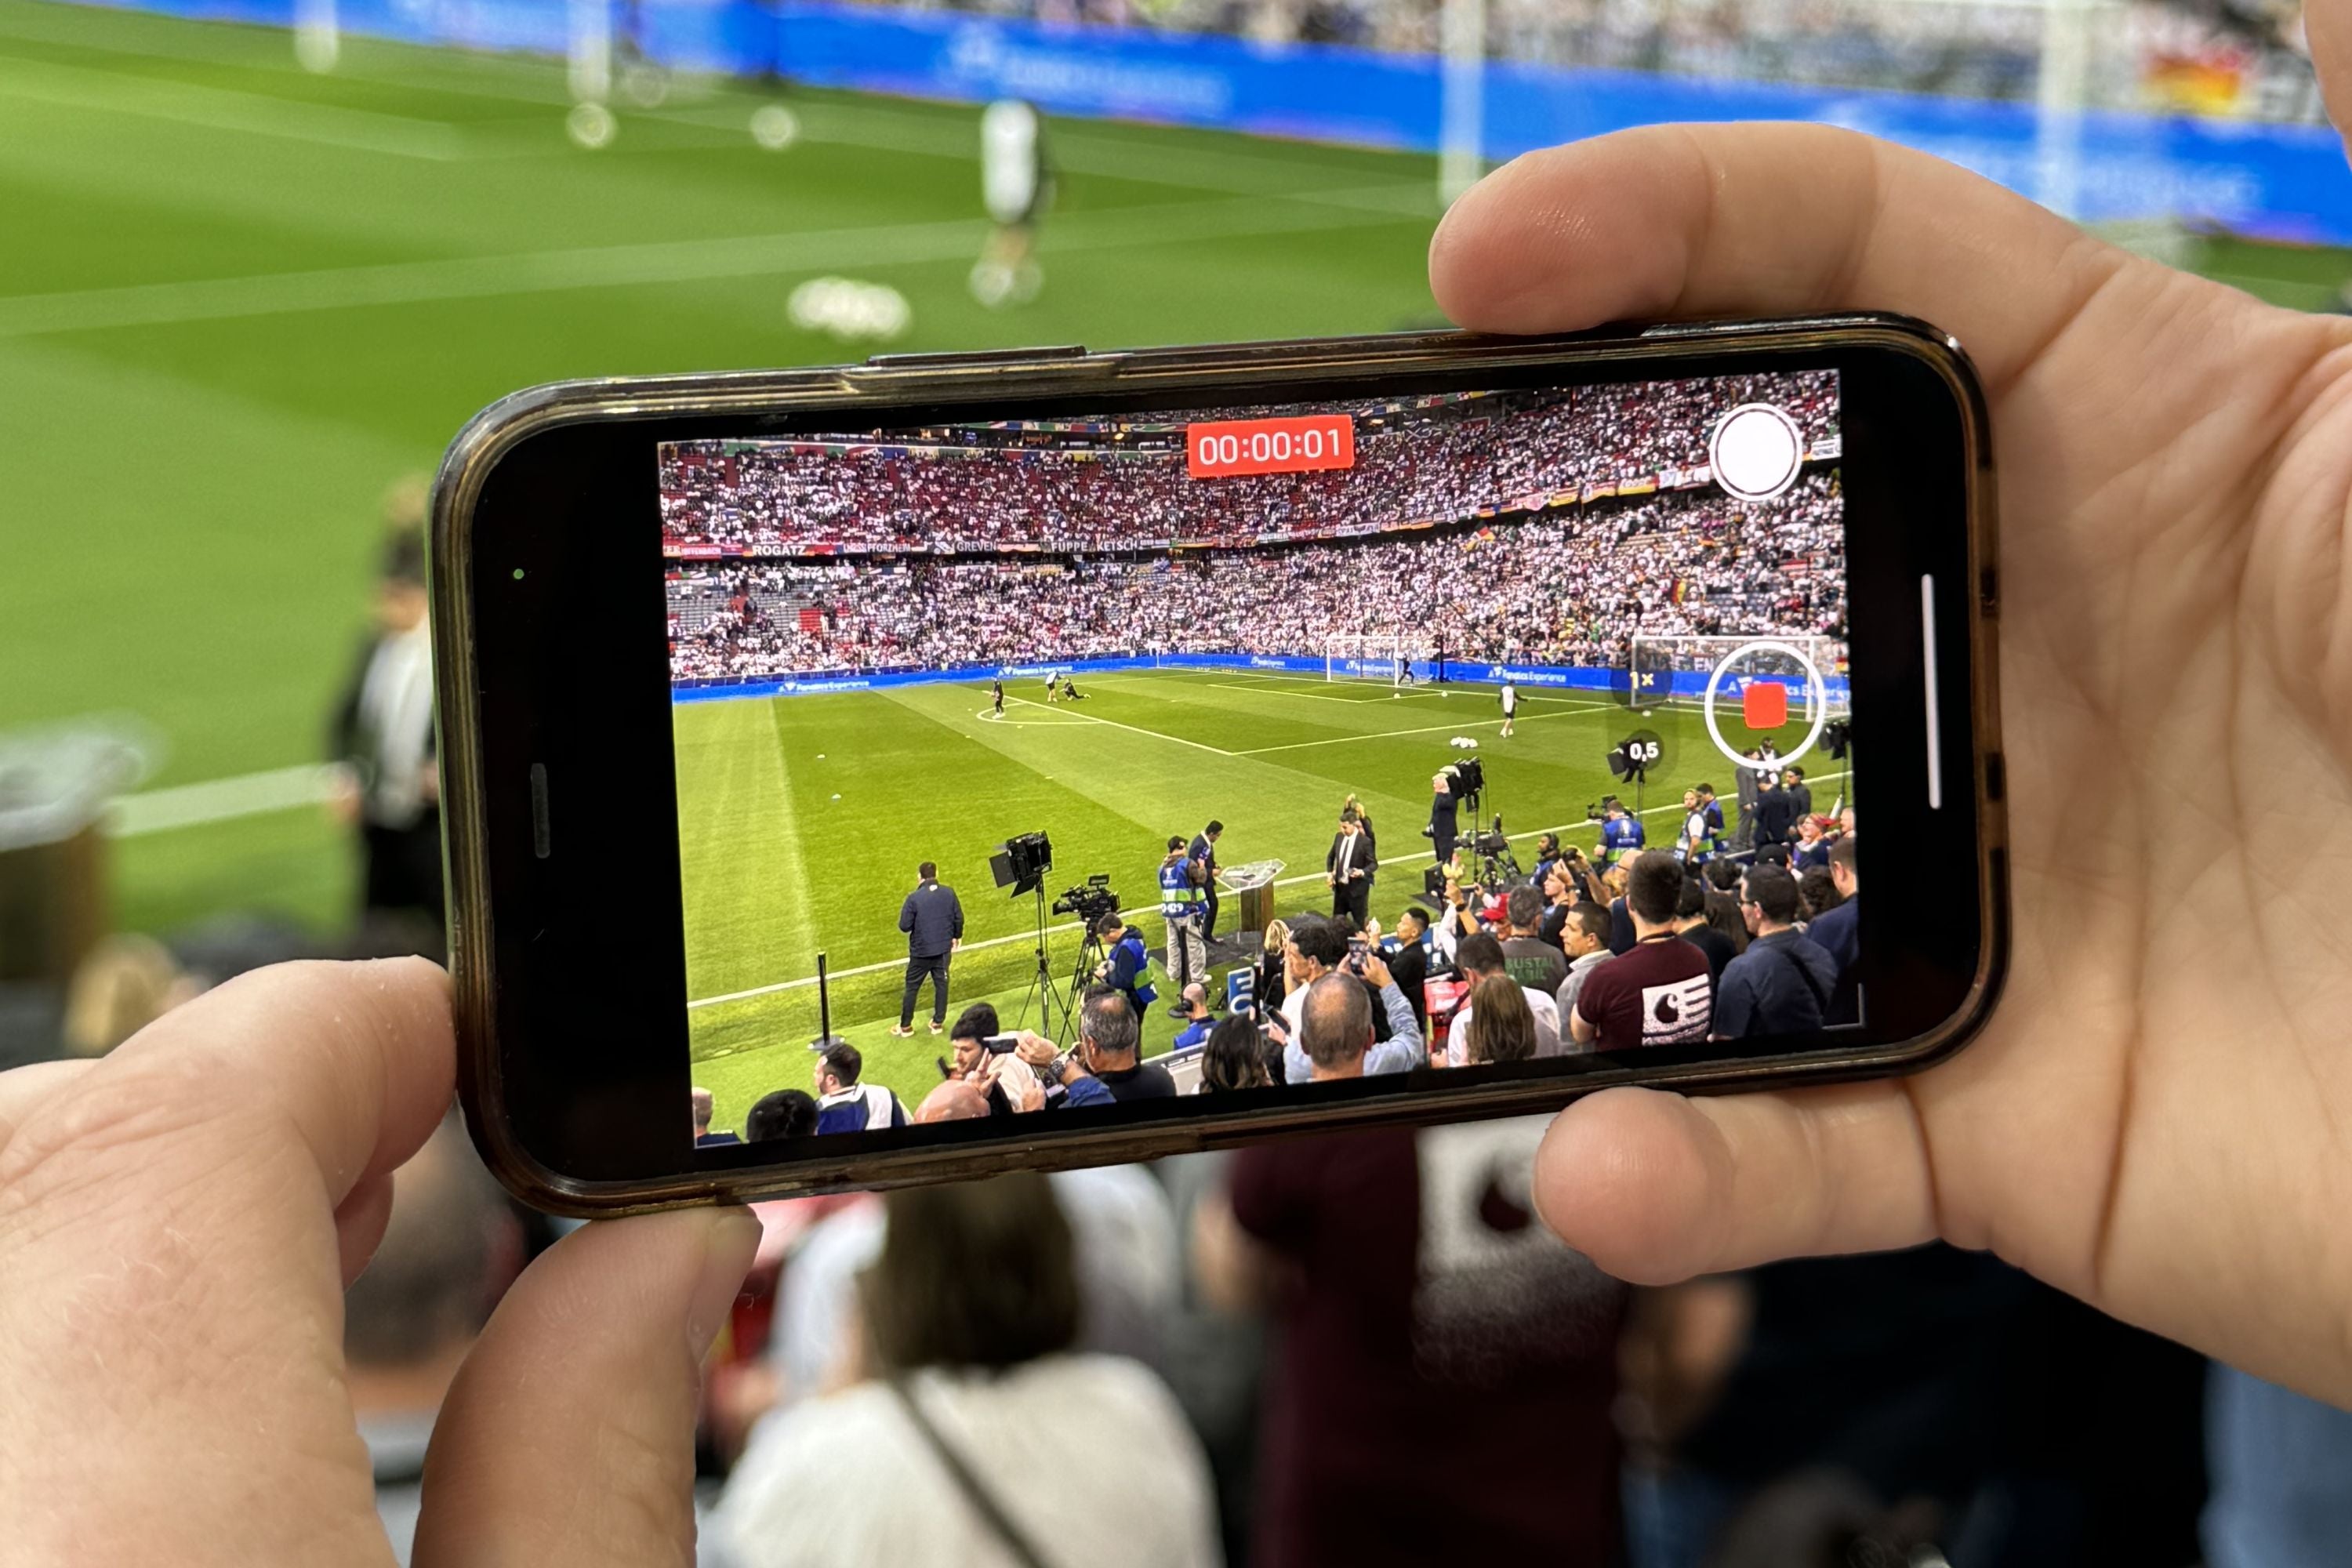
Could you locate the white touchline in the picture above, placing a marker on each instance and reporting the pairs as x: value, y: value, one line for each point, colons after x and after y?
x: 219, y: 800
x: 611, y: 266
x: 1065, y: 927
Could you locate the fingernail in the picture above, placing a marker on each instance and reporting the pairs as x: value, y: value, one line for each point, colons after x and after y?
x: 728, y: 1250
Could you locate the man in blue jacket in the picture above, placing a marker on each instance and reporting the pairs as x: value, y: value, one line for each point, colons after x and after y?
x: 845, y: 1105
x: 932, y: 919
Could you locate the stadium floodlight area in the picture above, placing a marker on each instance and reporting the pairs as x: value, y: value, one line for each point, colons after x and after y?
x: 1368, y: 655
x: 1675, y: 669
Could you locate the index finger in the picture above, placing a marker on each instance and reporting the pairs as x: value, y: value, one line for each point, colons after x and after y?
x: 1761, y: 219
x: 359, y: 1058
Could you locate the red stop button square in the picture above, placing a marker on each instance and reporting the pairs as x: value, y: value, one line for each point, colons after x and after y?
x: 1764, y: 704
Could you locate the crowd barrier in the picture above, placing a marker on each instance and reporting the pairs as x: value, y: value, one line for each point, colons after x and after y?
x: 1684, y: 683
x: 2278, y: 181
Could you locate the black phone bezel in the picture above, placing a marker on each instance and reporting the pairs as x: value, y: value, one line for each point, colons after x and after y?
x: 548, y: 616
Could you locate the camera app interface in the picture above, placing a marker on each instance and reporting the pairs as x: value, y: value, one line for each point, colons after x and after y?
x: 1031, y: 767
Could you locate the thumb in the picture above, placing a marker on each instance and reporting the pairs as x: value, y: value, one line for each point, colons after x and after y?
x: 568, y: 1436
x: 2327, y: 28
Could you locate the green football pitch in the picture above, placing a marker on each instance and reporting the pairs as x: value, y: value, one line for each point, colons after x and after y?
x: 802, y: 818
x: 237, y: 301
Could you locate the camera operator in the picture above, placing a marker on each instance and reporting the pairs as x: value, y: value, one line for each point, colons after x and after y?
x: 1444, y: 818
x: 932, y: 919
x: 1318, y: 948
x: 1347, y: 870
x: 1621, y: 833
x: 1125, y: 962
x: 1181, y: 904
x: 1204, y: 852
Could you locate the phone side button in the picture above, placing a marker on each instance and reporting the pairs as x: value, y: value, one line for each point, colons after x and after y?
x: 1996, y: 777
x: 539, y: 839
x: 981, y: 356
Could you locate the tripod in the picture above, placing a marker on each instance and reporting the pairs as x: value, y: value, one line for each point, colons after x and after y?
x: 1082, y: 976
x: 1042, y: 981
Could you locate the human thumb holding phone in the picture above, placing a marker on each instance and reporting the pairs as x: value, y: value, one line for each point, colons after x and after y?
x: 2163, y: 1139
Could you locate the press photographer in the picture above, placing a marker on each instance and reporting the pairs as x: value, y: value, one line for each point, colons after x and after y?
x: 1125, y: 963
x: 1109, y: 1056
x: 1181, y: 906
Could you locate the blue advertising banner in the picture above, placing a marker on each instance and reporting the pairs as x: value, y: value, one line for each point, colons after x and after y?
x: 2285, y: 182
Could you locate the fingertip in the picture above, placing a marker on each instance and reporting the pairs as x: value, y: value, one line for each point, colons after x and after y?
x: 1627, y: 1178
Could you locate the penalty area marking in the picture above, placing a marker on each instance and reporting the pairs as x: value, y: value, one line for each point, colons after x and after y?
x: 1059, y: 721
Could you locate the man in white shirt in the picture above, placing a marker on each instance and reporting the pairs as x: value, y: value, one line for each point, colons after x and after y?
x: 1510, y: 705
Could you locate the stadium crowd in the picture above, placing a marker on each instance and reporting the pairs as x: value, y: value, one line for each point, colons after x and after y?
x: 2242, y: 57
x: 1554, y: 589
x: 1109, y: 486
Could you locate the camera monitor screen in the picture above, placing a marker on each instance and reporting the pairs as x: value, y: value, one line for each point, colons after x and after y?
x: 1035, y: 767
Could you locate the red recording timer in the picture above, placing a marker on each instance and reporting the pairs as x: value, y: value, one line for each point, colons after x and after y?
x: 1225, y: 448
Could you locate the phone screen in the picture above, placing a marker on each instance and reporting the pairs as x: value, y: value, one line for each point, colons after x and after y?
x: 970, y: 706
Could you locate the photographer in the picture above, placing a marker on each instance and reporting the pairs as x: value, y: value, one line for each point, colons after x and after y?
x: 1047, y: 1067
x: 1181, y: 905
x: 1318, y: 948
x: 1204, y: 853
x: 1125, y: 963
x: 1111, y: 1046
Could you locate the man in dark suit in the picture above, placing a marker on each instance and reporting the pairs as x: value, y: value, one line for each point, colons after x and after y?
x: 1775, y: 813
x: 381, y: 736
x: 932, y: 918
x: 1202, y: 852
x: 1348, y: 868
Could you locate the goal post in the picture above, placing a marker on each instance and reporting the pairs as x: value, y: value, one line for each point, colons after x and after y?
x: 1368, y: 655
x: 1674, y: 670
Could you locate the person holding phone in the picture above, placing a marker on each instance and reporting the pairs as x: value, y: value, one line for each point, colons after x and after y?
x: 2159, y: 1138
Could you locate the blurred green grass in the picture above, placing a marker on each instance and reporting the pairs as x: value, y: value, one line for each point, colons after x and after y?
x: 237, y: 301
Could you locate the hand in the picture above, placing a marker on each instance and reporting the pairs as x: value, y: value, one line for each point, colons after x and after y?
x: 343, y: 800
x: 177, y: 1223
x: 1377, y: 972
x: 1035, y: 1050
x: 2163, y: 1139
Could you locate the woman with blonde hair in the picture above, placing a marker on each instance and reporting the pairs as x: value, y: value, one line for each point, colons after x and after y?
x: 1273, y: 970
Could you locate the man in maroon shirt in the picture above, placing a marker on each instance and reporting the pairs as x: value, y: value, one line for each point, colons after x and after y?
x: 1657, y: 993
x: 1448, y: 1369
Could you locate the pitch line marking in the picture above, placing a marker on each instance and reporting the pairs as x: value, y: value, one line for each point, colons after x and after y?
x: 1068, y: 926
x: 227, y: 109
x: 219, y: 800
x: 1132, y: 729
x: 534, y: 272
x: 1427, y: 730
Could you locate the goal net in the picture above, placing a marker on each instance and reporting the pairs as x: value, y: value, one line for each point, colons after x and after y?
x: 1365, y: 656
x: 1661, y: 671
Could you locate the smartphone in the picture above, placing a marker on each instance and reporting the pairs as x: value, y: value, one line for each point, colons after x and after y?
x: 760, y: 719
x: 1358, y: 949
x: 999, y: 1044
